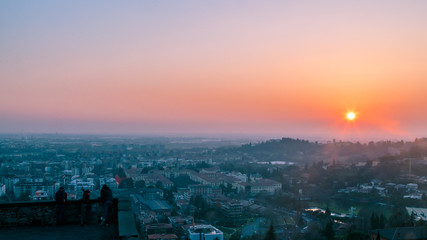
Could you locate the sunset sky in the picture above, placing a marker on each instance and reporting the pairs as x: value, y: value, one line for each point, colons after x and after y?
x: 271, y: 68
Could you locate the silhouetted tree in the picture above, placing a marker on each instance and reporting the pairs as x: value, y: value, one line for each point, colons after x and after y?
x: 270, y: 233
x: 411, y: 221
x: 328, y: 232
x: 399, y: 217
x: 382, y: 221
x: 159, y: 185
x: 373, y: 224
x: 121, y: 172
x: 236, y: 235
x: 375, y: 221
x: 126, y: 183
x: 357, y: 235
x: 174, y: 212
x: 328, y: 212
x: 140, y: 184
x: 378, y: 236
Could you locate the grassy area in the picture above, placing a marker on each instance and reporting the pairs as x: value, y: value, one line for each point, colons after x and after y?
x: 227, y: 231
x: 340, y: 208
x: 334, y: 207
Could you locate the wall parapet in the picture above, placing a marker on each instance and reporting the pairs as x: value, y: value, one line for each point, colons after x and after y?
x: 44, y: 212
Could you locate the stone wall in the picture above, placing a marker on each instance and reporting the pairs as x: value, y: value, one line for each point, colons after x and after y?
x: 44, y: 213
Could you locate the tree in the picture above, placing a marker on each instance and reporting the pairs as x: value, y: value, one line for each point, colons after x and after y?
x: 378, y: 236
x: 382, y: 221
x: 168, y: 196
x: 121, y: 173
x: 146, y: 170
x: 420, y: 223
x: 375, y: 221
x: 126, y: 183
x: 140, y: 184
x: 270, y: 233
x: 313, y: 231
x: 174, y: 213
x: 357, y: 235
x: 411, y: 222
x: 159, y: 185
x: 399, y: 217
x: 328, y: 232
x: 327, y: 212
x: 198, y: 201
x: 236, y: 235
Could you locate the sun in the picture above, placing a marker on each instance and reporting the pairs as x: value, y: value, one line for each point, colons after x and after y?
x: 351, y: 116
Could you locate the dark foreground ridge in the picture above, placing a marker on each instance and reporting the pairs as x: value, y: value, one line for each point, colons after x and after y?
x: 37, y: 220
x: 64, y: 232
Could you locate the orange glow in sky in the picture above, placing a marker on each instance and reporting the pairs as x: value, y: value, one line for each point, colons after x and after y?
x: 284, y: 68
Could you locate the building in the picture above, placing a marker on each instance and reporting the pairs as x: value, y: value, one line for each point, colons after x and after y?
x: 206, y: 232
x: 75, y: 187
x: 183, y: 193
x: 267, y: 186
x: 158, y: 228
x: 30, y: 188
x: 178, y: 222
x: 232, y: 209
x: 2, y: 190
x: 157, y: 206
x: 162, y: 237
x: 152, y: 194
x: 410, y: 187
x: 403, y: 233
x: 10, y: 182
x: 419, y: 213
x: 152, y: 179
x: 110, y: 182
x: 238, y: 175
x: 200, y: 189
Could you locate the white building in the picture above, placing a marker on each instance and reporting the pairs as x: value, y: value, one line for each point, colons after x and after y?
x: 419, y: 213
x: 206, y: 232
x: 261, y: 186
x: 242, y: 177
x: 78, y: 183
x: 411, y: 187
x: 75, y: 188
x: 418, y: 196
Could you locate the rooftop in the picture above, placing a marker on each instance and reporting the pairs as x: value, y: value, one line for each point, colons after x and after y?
x: 206, y: 229
x: 402, y: 233
x: 162, y: 236
x: 154, y: 205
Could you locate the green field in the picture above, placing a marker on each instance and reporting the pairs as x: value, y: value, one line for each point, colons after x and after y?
x: 340, y: 208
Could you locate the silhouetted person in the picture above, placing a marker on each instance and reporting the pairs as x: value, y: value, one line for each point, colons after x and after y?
x: 61, y: 199
x: 107, y: 199
x: 85, y: 206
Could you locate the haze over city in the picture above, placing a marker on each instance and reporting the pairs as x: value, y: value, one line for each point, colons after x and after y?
x: 271, y: 68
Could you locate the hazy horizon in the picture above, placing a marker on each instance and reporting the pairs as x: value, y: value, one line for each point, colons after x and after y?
x: 230, y: 68
x: 214, y: 137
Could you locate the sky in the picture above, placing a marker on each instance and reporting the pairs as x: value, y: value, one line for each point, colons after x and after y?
x: 270, y: 68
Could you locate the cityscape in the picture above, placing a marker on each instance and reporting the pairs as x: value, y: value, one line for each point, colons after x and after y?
x: 213, y: 120
x: 178, y: 188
